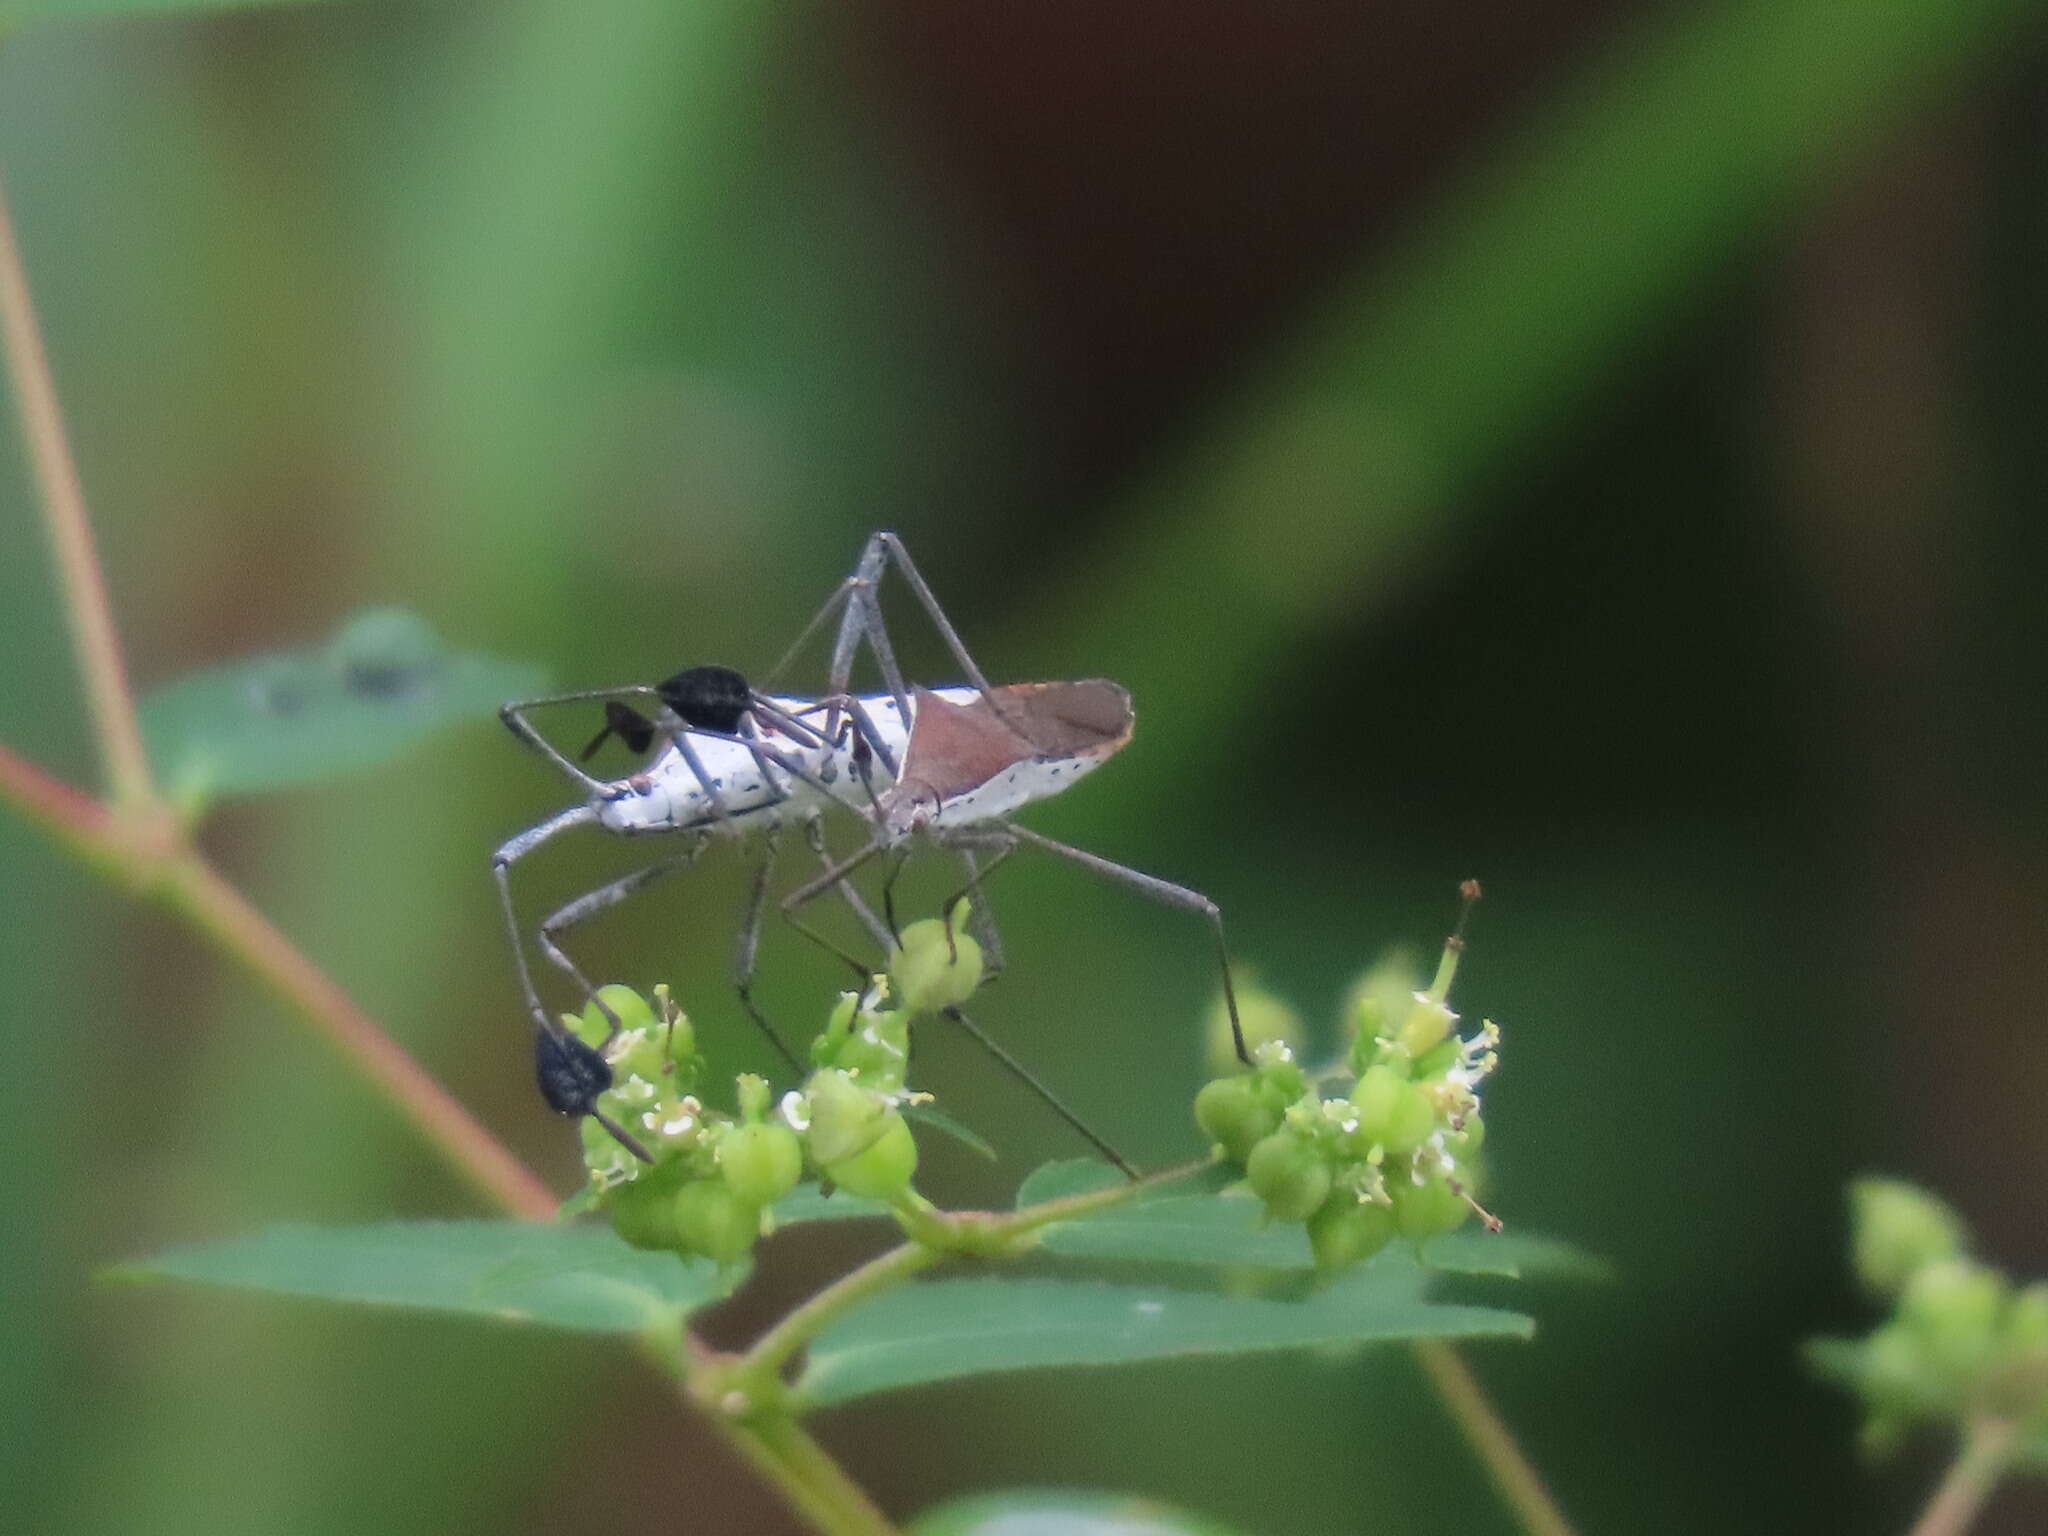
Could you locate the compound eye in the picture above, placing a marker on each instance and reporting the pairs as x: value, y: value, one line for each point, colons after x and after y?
x: 710, y: 698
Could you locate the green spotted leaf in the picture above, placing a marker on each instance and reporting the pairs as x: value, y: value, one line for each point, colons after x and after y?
x: 384, y: 682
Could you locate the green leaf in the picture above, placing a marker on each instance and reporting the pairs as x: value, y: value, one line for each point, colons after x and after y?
x: 14, y: 11
x: 806, y: 1203
x: 1200, y: 1223
x: 945, y: 1329
x: 945, y: 1124
x: 560, y: 1276
x: 1061, y: 1512
x: 384, y: 682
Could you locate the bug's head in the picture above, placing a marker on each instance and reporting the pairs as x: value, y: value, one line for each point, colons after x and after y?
x: 710, y: 698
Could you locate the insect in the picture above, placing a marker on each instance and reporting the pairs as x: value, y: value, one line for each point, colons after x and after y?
x: 945, y: 766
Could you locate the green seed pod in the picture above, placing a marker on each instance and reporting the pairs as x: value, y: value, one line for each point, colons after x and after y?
x: 1428, y: 1209
x: 1896, y: 1230
x: 881, y: 1170
x: 1392, y: 1112
x: 1263, y: 1018
x: 846, y: 1118
x: 1232, y: 1115
x: 644, y: 1211
x: 1346, y: 1230
x: 711, y: 1220
x: 761, y: 1163
x: 1289, y: 1175
x: 938, y: 963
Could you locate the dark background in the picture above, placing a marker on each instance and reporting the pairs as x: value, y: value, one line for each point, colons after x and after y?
x: 1593, y: 449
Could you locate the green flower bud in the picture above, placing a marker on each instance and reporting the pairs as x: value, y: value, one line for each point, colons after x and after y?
x: 711, y: 1220
x: 1426, y: 1025
x: 1263, y: 1018
x: 1952, y: 1310
x: 1428, y: 1209
x: 845, y: 1117
x: 1289, y: 1175
x: 1278, y: 1075
x: 1346, y: 1230
x: 1896, y: 1230
x: 938, y: 963
x: 633, y: 1011
x: 761, y: 1163
x: 1375, y: 1001
x: 1392, y: 1112
x: 838, y: 1026
x: 1437, y: 1060
x: 882, y: 1170
x: 1233, y: 1114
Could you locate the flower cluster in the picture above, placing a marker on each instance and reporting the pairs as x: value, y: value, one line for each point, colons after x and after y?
x: 1393, y: 1154
x: 1963, y: 1342
x: 713, y: 1176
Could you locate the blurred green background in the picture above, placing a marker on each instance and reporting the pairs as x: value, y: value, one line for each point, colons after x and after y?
x: 1593, y: 448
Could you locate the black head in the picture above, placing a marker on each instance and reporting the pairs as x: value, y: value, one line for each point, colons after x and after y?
x: 571, y: 1074
x: 710, y: 698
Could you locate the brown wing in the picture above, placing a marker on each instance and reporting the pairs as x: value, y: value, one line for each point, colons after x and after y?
x: 955, y: 748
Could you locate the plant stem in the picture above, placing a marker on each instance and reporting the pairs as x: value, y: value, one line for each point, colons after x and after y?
x: 883, y: 1272
x: 169, y: 869
x: 63, y: 503
x: 200, y: 894
x: 1513, y: 1477
x: 809, y: 1476
x: 979, y: 1233
x: 1980, y: 1462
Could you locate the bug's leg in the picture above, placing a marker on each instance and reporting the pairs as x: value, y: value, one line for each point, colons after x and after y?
x: 826, y: 610
x: 1023, y: 1074
x: 514, y: 716
x: 834, y: 877
x: 889, y: 896
x: 510, y: 851
x: 980, y: 921
x: 749, y: 948
x: 603, y: 899
x: 1166, y: 893
x: 893, y: 548
x: 688, y: 753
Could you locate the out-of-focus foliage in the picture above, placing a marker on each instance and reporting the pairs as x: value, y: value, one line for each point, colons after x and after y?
x: 383, y: 683
x: 1595, y: 451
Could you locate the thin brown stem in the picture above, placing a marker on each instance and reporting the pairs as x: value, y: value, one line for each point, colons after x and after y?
x: 1980, y: 1462
x: 221, y: 912
x: 63, y: 502
x: 164, y: 865
x: 1490, y: 1438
